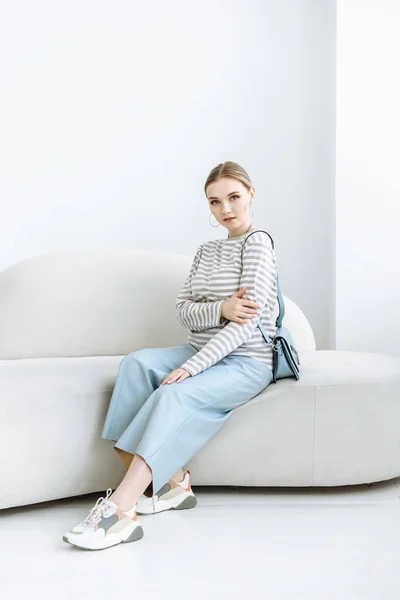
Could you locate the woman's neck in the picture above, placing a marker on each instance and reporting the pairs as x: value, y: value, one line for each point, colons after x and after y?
x: 243, y: 232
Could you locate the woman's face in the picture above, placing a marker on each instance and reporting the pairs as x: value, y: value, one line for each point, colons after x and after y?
x: 228, y: 197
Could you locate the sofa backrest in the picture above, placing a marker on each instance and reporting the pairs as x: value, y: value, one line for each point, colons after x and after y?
x: 101, y: 303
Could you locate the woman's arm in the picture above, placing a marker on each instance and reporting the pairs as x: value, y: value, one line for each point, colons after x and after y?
x: 259, y: 277
x: 197, y: 316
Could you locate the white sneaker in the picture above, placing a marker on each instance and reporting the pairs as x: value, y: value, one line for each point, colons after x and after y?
x: 106, y: 525
x: 176, y: 495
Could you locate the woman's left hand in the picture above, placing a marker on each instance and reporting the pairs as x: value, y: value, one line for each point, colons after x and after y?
x: 176, y: 376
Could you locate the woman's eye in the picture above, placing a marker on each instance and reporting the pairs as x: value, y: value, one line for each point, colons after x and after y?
x: 235, y: 196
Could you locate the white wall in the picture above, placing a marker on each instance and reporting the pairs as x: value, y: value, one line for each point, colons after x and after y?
x: 114, y: 112
x: 368, y: 176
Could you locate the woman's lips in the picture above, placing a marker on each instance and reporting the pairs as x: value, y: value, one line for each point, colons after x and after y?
x: 231, y: 219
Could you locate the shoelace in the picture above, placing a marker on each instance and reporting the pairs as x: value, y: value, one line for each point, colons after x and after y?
x: 97, y: 511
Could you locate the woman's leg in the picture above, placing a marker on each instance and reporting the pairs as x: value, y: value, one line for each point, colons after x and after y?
x: 179, y: 418
x: 140, y: 373
x: 135, y: 482
x: 127, y: 458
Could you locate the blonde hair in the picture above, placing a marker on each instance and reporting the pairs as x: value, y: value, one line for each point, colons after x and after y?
x: 228, y: 169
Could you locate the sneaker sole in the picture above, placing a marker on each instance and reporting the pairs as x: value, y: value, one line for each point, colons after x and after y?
x: 133, y: 536
x: 162, y: 505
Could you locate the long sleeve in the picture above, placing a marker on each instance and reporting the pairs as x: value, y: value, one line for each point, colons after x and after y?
x: 258, y: 276
x: 193, y: 315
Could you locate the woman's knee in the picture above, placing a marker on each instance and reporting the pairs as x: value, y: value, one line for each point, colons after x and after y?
x: 142, y: 356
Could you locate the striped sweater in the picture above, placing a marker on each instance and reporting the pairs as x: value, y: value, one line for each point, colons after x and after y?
x: 215, y: 275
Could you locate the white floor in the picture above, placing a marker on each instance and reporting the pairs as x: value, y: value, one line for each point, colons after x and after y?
x: 267, y: 543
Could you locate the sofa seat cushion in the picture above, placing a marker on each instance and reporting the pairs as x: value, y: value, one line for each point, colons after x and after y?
x: 336, y: 425
x: 28, y: 380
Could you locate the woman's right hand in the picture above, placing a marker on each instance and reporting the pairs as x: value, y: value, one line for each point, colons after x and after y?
x: 239, y: 309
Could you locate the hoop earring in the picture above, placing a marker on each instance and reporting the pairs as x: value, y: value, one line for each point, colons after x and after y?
x: 211, y: 223
x: 252, y: 211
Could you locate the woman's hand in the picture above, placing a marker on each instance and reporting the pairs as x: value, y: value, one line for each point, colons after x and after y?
x: 240, y: 310
x: 176, y: 376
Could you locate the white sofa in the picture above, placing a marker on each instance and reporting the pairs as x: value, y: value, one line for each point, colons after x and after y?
x: 68, y: 318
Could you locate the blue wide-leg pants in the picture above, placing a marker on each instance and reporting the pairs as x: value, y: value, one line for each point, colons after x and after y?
x: 167, y: 426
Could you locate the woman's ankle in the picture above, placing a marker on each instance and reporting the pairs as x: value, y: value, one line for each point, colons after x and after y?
x: 179, y: 476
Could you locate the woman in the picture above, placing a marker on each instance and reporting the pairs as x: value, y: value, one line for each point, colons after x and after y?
x: 168, y: 402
